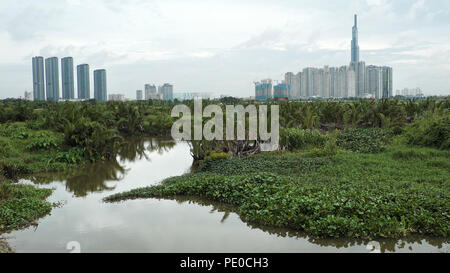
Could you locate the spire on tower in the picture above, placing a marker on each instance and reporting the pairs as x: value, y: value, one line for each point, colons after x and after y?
x: 355, y: 46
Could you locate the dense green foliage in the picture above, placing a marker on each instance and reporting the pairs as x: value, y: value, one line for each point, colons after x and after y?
x: 347, y: 195
x: 361, y: 140
x: 20, y: 205
x: 296, y: 139
x: 361, y: 169
x: 431, y: 131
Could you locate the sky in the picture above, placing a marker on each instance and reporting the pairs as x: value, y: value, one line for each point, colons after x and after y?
x: 222, y: 47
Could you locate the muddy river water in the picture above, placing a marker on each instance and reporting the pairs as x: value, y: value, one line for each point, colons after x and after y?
x: 84, y: 221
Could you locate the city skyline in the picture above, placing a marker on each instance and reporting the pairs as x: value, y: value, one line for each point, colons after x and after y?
x: 224, y: 57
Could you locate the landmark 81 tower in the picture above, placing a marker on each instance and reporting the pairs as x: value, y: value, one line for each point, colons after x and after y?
x: 355, y: 45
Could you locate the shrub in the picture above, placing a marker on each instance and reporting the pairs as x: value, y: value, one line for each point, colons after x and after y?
x: 363, y: 140
x: 5, y: 147
x: 295, y: 139
x: 431, y: 131
x: 43, y: 144
x: 94, y: 137
x: 23, y: 204
x: 12, y: 168
x: 213, y: 156
x: 330, y: 149
x: 74, y: 156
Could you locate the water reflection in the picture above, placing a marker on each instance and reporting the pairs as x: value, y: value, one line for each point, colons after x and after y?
x: 94, y: 177
x: 139, y: 148
x: 179, y: 224
x: 386, y: 245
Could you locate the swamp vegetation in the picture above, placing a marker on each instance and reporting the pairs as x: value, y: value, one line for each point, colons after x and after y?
x: 359, y: 169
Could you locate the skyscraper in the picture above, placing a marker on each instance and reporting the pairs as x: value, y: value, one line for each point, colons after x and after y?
x: 355, y: 80
x: 38, y: 78
x: 150, y: 92
x: 374, y: 81
x: 52, y: 78
x: 294, y: 81
x: 387, y: 87
x: 83, y: 83
x: 67, y: 78
x: 355, y: 45
x: 167, y: 91
x: 263, y: 90
x: 138, y: 94
x: 100, y: 93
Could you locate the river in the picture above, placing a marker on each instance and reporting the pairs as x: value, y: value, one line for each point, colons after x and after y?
x: 154, y: 225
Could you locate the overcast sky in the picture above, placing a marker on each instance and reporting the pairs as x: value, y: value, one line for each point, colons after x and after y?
x: 223, y: 46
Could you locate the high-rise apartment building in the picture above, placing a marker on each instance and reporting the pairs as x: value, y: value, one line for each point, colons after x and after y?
x: 167, y: 91
x: 263, y: 90
x: 374, y: 81
x: 28, y: 96
x: 100, y: 92
x: 83, y: 82
x: 52, y: 78
x: 295, y: 82
x: 139, y: 95
x: 38, y: 78
x: 360, y: 77
x: 68, y: 91
x: 281, y: 92
x: 150, y: 92
x: 387, y: 82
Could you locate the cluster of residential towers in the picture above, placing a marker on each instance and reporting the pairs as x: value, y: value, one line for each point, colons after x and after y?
x: 355, y: 80
x: 164, y: 92
x: 49, y: 90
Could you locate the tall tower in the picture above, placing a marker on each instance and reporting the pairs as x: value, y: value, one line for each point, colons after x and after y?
x: 355, y: 45
x: 38, y: 78
x: 100, y: 92
x: 52, y: 78
x: 67, y: 78
x: 83, y: 84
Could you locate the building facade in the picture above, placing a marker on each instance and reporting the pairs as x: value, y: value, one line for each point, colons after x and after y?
x: 38, y: 78
x: 28, y: 96
x: 281, y: 92
x: 52, y: 78
x: 67, y: 80
x: 263, y: 90
x: 166, y: 91
x: 387, y: 82
x: 374, y: 81
x: 116, y: 97
x: 139, y: 95
x: 355, y: 43
x: 100, y: 92
x: 83, y: 82
x: 150, y: 92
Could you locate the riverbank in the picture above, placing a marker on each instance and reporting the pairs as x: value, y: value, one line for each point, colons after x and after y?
x: 399, y: 192
x: 24, y: 152
x: 4, y: 247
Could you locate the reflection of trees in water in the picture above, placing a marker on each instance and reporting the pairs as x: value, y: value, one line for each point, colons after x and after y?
x: 86, y: 179
x: 387, y: 245
x: 94, y: 177
x: 135, y: 148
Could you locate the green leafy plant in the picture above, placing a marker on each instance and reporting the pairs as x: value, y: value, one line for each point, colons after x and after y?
x: 363, y: 140
x: 431, y: 131
x: 295, y: 139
